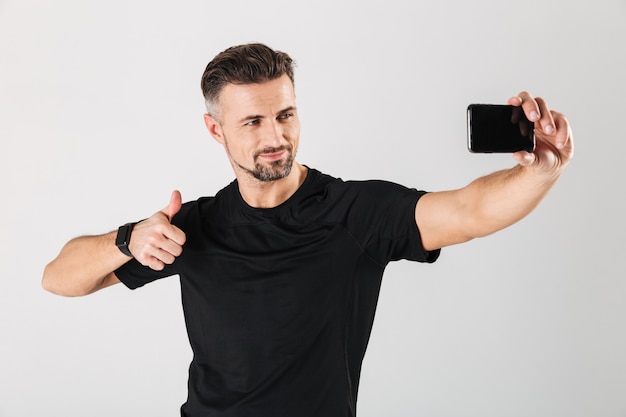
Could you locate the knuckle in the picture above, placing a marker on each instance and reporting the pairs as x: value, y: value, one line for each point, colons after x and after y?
x: 144, y: 259
x: 153, y: 239
x: 157, y: 265
x: 160, y: 227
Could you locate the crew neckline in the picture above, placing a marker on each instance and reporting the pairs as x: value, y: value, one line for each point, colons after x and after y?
x: 310, y: 174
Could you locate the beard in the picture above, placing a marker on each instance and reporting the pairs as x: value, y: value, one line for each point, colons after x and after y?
x: 272, y: 171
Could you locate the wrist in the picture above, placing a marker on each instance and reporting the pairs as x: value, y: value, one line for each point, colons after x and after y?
x: 122, y: 240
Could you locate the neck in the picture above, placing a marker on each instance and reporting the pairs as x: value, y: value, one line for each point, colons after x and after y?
x: 268, y: 194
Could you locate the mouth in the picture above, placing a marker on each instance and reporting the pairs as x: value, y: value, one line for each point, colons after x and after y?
x: 271, y: 155
x: 274, y: 156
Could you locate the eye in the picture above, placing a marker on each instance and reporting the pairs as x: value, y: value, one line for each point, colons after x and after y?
x: 253, y: 122
x: 285, y: 116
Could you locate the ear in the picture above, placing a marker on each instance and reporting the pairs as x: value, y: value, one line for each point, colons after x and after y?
x: 214, y: 128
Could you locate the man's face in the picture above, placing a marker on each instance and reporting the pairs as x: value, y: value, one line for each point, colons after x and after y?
x: 259, y: 128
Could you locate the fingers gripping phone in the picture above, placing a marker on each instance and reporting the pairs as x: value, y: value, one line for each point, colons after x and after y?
x: 495, y: 128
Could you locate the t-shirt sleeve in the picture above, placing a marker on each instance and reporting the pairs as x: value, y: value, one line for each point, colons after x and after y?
x: 134, y: 275
x: 385, y: 222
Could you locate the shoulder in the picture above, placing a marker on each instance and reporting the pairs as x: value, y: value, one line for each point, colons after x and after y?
x: 369, y: 195
x: 203, y: 206
x: 375, y: 189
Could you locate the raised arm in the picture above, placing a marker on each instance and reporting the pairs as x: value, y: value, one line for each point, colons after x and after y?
x: 86, y: 264
x: 498, y: 200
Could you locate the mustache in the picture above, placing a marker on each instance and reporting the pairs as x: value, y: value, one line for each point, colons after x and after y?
x: 273, y: 150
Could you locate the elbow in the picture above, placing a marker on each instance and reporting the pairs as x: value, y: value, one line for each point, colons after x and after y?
x: 53, y: 281
x: 47, y: 280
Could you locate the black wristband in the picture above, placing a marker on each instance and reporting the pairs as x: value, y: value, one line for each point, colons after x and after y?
x: 123, y: 238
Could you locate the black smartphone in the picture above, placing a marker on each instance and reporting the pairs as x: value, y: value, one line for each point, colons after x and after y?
x: 496, y: 128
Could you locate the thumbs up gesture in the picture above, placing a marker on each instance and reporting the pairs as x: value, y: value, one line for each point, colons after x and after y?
x: 156, y: 242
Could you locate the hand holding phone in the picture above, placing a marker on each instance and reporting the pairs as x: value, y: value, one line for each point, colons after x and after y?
x: 494, y: 128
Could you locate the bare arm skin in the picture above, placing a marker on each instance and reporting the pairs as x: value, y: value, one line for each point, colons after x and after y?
x: 498, y: 200
x: 86, y: 264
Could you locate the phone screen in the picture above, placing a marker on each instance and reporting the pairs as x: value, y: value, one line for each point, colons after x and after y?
x: 498, y: 128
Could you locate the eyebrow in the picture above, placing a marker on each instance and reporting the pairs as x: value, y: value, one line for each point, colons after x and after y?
x: 258, y: 116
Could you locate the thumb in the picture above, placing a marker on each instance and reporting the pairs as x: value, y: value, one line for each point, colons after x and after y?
x: 174, y: 205
x: 524, y: 158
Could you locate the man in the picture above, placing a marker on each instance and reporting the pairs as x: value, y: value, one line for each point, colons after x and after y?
x: 280, y: 271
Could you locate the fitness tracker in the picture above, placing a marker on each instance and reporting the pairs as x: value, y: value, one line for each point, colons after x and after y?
x: 123, y: 238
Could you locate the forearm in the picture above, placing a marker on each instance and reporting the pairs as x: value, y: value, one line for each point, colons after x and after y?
x: 84, y: 265
x: 500, y: 199
x: 87, y: 264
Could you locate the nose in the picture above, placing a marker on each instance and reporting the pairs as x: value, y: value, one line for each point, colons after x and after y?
x: 272, y: 135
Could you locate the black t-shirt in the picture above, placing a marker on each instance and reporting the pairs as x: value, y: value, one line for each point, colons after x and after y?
x: 279, y: 302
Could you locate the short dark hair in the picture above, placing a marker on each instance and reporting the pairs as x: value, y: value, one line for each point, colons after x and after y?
x: 243, y: 64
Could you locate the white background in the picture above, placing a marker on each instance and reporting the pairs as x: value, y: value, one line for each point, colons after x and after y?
x: 101, y: 117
